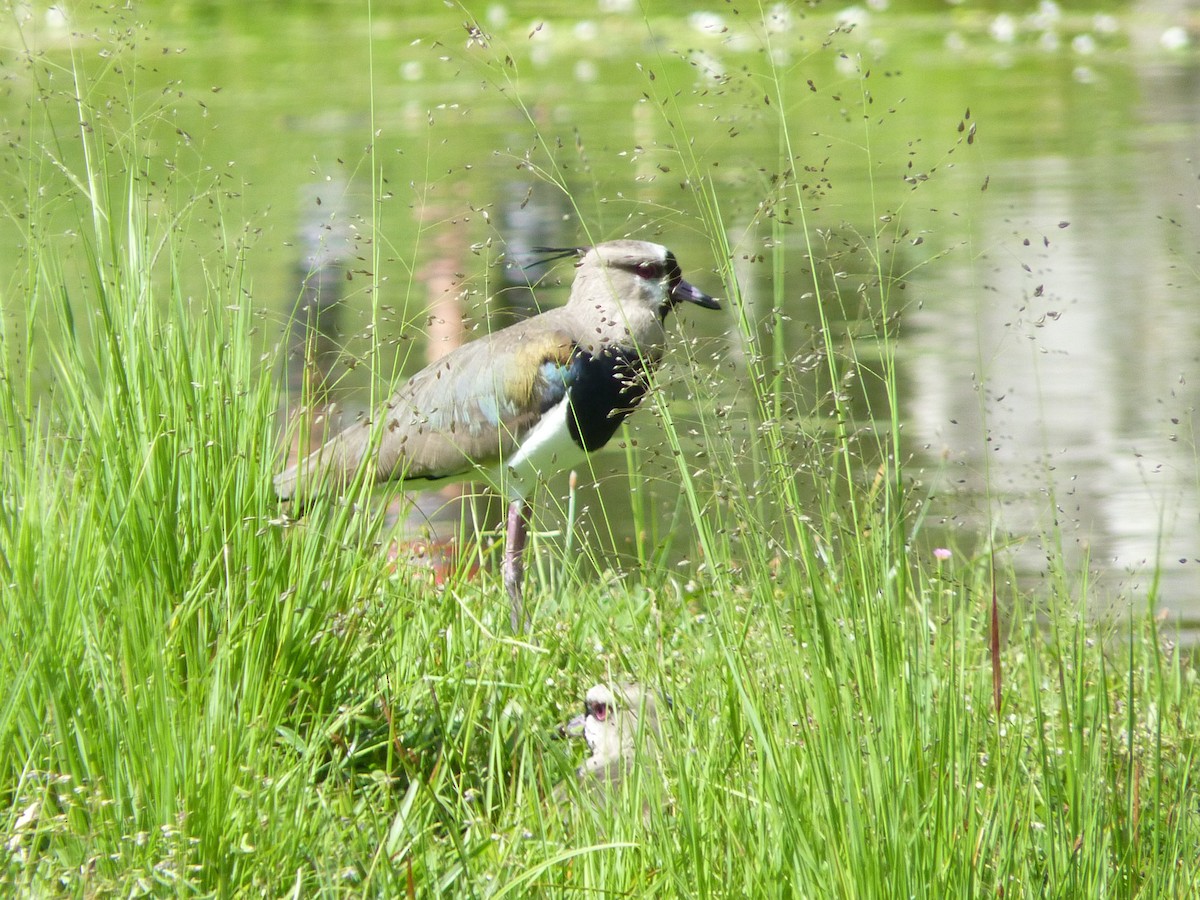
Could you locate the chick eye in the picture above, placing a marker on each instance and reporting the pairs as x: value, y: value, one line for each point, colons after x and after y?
x: 649, y: 270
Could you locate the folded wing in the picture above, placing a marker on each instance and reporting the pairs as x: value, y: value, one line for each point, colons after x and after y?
x: 466, y: 412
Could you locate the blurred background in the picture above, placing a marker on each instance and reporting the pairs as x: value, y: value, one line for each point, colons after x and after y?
x: 1019, y: 179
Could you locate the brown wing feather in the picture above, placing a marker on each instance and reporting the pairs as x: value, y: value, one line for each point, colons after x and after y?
x: 468, y: 410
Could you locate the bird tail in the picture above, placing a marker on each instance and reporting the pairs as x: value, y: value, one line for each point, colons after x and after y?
x: 285, y: 482
x: 325, y: 471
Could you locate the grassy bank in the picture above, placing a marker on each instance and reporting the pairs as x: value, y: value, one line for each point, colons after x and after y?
x: 197, y: 700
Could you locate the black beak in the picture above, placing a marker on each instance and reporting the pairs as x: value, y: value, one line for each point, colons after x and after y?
x: 682, y: 290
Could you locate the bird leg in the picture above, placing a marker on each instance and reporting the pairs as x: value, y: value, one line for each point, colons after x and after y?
x: 514, y: 559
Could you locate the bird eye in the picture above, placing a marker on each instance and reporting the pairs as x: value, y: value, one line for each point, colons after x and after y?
x: 649, y: 270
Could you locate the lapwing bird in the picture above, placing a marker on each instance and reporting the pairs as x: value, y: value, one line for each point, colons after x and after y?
x: 614, y: 717
x: 523, y: 403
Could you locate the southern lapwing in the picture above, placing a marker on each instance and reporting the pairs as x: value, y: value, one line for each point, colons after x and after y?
x: 522, y: 403
x: 615, y: 717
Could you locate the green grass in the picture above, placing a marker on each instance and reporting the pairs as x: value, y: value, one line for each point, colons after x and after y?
x: 195, y: 700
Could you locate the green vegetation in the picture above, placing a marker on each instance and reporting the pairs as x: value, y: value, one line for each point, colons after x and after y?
x: 196, y: 700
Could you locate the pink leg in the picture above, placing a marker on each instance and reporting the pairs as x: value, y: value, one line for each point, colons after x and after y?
x: 514, y: 559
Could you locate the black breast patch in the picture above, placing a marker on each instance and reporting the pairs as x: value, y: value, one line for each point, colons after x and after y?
x: 605, y: 388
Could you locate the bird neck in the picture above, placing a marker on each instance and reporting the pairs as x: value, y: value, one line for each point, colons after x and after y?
x: 604, y: 321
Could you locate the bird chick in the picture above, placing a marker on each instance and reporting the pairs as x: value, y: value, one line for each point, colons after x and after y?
x: 615, y: 717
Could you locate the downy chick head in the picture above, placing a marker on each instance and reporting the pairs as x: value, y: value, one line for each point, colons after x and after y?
x: 614, y: 717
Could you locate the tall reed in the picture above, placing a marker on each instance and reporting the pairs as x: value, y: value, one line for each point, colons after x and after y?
x: 197, y: 697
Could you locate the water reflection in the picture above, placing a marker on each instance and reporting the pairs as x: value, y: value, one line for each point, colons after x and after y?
x: 1046, y: 372
x: 323, y: 242
x: 1051, y: 383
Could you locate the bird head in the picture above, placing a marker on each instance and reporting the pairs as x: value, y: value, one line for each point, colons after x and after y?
x: 612, y: 717
x: 637, y: 275
x: 643, y: 272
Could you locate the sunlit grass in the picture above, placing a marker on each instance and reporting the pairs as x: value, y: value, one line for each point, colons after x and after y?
x: 198, y: 699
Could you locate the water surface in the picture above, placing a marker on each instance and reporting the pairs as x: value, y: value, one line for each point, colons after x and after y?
x: 1033, y: 179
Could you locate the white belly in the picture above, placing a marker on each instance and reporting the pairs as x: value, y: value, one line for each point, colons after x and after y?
x: 547, y: 450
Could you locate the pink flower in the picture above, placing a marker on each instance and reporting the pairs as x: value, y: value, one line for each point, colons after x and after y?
x: 941, y: 554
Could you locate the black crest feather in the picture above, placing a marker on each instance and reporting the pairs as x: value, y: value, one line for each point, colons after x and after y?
x: 555, y: 253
